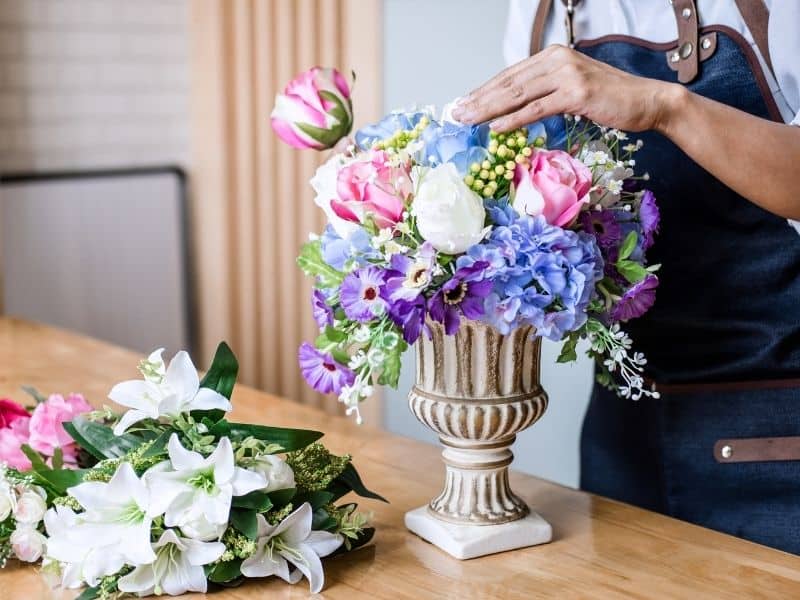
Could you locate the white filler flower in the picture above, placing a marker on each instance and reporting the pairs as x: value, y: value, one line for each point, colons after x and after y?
x: 291, y: 541
x: 178, y: 567
x: 195, y: 493
x: 164, y: 392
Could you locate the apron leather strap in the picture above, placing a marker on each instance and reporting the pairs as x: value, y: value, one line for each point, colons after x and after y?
x: 539, y: 23
x: 687, y: 55
x: 757, y: 449
x: 756, y: 16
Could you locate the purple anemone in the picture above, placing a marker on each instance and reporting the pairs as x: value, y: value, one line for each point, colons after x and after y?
x: 360, y: 294
x: 463, y: 294
x: 321, y: 372
x: 637, y: 300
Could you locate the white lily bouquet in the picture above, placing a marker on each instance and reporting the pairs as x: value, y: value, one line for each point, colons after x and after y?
x: 171, y: 495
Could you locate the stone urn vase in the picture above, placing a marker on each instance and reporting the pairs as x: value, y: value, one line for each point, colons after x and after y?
x: 477, y: 389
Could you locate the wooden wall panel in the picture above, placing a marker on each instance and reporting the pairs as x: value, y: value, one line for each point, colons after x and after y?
x: 252, y: 206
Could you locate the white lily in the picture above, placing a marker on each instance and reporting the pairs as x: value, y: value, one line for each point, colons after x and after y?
x: 291, y: 541
x: 196, y: 491
x: 277, y: 471
x: 178, y: 567
x: 113, y: 530
x: 164, y: 392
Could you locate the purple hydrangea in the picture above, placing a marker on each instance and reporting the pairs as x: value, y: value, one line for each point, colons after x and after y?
x: 547, y: 277
x: 360, y: 294
x: 323, y: 313
x: 464, y: 293
x: 650, y: 217
x: 637, y: 300
x: 321, y: 372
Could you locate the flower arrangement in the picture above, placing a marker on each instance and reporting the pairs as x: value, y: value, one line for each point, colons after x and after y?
x: 432, y: 220
x: 171, y: 495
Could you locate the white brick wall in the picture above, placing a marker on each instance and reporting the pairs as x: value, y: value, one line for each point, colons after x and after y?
x: 93, y: 83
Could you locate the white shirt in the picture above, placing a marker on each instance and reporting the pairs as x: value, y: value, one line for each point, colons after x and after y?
x: 654, y: 20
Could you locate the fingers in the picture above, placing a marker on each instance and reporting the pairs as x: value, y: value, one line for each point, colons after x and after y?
x: 502, y: 101
x: 510, y: 88
x: 536, y: 110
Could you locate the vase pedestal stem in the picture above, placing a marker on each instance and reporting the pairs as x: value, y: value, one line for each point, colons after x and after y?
x: 477, y: 390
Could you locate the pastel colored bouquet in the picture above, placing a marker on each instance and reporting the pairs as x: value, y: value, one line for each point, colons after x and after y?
x: 171, y: 495
x: 430, y: 220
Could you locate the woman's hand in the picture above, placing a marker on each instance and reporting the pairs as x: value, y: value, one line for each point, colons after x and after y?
x: 559, y: 80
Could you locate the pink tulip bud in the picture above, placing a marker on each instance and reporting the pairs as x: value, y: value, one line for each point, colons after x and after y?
x: 315, y: 110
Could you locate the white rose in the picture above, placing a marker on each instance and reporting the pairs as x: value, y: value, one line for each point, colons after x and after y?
x: 449, y: 214
x: 27, y: 543
x: 8, y: 500
x: 324, y: 184
x: 30, y: 508
x: 200, y: 528
x: 279, y: 474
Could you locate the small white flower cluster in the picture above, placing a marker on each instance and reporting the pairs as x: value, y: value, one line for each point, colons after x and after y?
x: 22, y: 507
x: 615, y: 343
x: 608, y: 172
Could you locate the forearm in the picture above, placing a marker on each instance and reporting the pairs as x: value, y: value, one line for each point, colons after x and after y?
x: 757, y: 158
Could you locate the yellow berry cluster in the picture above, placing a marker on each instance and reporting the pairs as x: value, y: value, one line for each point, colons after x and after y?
x: 401, y: 138
x: 495, y: 173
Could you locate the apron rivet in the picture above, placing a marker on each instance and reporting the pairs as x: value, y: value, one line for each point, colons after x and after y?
x: 686, y: 13
x: 726, y: 451
x: 686, y: 50
x: 675, y: 57
x: 706, y: 44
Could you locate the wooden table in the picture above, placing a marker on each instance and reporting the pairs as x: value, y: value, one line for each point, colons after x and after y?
x: 601, y: 548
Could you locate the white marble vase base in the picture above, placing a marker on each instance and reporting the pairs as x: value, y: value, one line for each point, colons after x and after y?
x: 471, y: 541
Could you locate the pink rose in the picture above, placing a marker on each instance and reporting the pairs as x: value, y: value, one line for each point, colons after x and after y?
x: 555, y: 185
x: 47, y: 430
x: 314, y: 111
x: 10, y: 411
x: 372, y: 187
x: 11, y: 440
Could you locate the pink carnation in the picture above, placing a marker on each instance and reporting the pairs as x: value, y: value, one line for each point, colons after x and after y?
x: 11, y: 440
x: 46, y: 426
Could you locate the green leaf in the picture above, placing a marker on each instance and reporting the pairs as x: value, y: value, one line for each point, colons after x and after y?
x: 320, y: 519
x: 159, y: 445
x: 89, y: 593
x: 311, y: 263
x: 56, y: 481
x: 244, y: 519
x: 632, y: 271
x: 568, y: 352
x: 364, y: 537
x: 628, y: 245
x: 352, y: 481
x: 99, y: 440
x: 281, y: 498
x: 390, y: 373
x: 34, y: 393
x: 334, y: 334
x: 288, y: 439
x: 221, y: 375
x: 258, y: 501
x: 226, y: 571
x: 316, y: 499
x: 58, y: 458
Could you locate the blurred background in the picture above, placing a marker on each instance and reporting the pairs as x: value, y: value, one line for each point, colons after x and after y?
x: 144, y: 199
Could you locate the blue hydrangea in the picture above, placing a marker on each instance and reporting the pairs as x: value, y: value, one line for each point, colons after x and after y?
x: 345, y: 255
x: 542, y: 275
x: 461, y: 145
x: 385, y: 128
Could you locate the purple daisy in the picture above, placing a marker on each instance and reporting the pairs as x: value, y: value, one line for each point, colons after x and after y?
x: 463, y: 294
x: 410, y: 317
x: 323, y: 313
x: 360, y: 294
x: 321, y: 372
x: 649, y: 216
x: 603, y: 225
x: 637, y: 300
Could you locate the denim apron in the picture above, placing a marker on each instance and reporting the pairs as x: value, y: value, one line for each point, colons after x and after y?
x: 723, y: 339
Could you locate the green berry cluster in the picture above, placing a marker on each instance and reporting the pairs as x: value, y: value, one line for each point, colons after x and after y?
x: 315, y: 468
x: 401, y: 138
x: 492, y: 177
